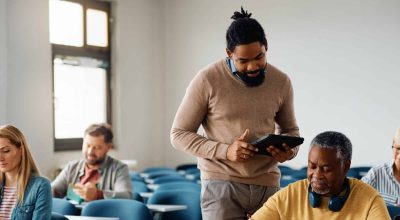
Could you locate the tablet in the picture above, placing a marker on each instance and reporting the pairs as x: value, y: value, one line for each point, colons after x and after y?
x: 277, y: 141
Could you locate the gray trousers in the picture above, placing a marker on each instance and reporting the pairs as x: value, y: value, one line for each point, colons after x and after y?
x: 223, y: 200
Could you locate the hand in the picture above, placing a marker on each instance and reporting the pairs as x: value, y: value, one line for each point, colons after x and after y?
x: 281, y: 155
x: 88, y: 191
x: 240, y: 150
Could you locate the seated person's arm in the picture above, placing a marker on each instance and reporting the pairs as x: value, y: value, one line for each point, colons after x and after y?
x: 88, y: 191
x: 43, y: 202
x: 122, y: 185
x: 59, y: 185
x: 370, y: 178
x: 268, y: 210
x: 378, y: 210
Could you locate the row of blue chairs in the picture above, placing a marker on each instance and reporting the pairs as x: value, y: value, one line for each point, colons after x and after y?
x: 290, y: 175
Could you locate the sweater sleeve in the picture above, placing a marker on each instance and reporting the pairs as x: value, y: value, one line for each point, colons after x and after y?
x: 378, y: 209
x: 285, y: 118
x: 190, y: 115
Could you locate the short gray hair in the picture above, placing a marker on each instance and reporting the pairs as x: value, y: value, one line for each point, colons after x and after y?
x: 101, y: 129
x: 334, y: 140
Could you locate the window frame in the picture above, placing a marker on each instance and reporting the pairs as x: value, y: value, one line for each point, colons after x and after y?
x: 102, y: 53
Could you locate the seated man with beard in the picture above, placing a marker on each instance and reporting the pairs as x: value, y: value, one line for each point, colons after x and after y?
x: 97, y: 175
x: 327, y: 193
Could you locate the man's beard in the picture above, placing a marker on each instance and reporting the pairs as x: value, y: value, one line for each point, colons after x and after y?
x: 324, y: 191
x: 252, y: 81
x: 95, y: 162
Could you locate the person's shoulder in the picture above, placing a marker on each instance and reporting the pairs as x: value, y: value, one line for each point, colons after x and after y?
x: 276, y: 77
x: 39, y: 181
x: 299, y: 184
x: 273, y: 71
x: 115, y: 162
x: 362, y: 188
x: 381, y: 168
x: 294, y: 188
x: 216, y: 69
x: 74, y: 163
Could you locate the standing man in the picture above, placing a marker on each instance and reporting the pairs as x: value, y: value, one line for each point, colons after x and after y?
x: 237, y: 100
x: 97, y: 175
x: 386, y: 178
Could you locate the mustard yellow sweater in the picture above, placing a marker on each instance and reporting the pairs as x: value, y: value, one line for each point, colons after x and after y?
x: 225, y: 108
x: 292, y: 202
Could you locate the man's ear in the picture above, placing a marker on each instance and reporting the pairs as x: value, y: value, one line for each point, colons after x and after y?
x: 347, y: 164
x: 110, y: 146
x: 229, y: 53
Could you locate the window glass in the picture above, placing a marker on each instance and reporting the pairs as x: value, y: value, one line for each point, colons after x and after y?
x: 97, y: 29
x: 79, y: 95
x: 66, y: 23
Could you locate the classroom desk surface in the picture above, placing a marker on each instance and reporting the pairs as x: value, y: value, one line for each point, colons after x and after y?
x: 152, y: 207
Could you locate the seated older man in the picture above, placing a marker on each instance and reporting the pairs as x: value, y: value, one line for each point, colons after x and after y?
x: 97, y: 175
x: 386, y: 178
x: 327, y: 193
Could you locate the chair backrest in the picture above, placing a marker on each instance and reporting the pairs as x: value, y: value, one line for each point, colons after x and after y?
x: 124, y: 209
x: 192, y: 170
x: 179, y: 197
x: 62, y: 206
x: 285, y: 169
x: 393, y: 211
x: 358, y: 172
x: 186, y: 166
x: 157, y: 169
x: 57, y: 216
x: 186, y: 186
x: 286, y: 180
x: 139, y: 186
x: 135, y: 176
x: 136, y: 196
x: 166, y: 179
x: 155, y: 175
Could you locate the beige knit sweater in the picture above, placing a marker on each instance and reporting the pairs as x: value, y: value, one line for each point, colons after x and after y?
x: 225, y: 108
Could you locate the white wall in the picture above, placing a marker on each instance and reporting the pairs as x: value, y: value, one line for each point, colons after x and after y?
x: 138, y: 81
x: 3, y: 62
x: 29, y: 102
x: 342, y: 58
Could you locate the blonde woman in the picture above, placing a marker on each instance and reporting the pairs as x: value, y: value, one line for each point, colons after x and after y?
x: 24, y: 193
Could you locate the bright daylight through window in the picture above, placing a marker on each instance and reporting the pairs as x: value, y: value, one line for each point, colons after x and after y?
x: 80, y: 38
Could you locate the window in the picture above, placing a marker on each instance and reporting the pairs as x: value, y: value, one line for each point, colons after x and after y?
x: 80, y: 39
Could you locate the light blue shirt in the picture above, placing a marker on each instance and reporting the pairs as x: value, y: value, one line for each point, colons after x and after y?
x: 382, y: 179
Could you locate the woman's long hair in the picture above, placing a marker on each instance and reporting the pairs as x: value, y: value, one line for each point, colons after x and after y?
x: 27, y: 167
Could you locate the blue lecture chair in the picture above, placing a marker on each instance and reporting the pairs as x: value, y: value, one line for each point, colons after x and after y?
x: 393, y: 211
x: 186, y: 166
x: 187, y: 186
x: 124, y: 209
x: 136, y: 196
x: 62, y: 206
x: 167, y: 179
x: 57, y: 216
x: 358, y: 172
x: 155, y: 169
x: 135, y: 176
x: 139, y: 186
x: 179, y: 197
